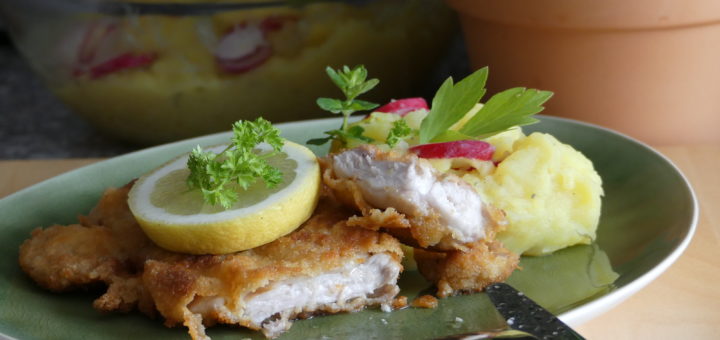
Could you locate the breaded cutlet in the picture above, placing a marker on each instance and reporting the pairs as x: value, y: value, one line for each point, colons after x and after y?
x: 439, y: 214
x: 323, y: 267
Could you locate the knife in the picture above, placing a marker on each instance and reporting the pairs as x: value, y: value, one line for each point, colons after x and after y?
x: 523, y: 314
x: 526, y: 320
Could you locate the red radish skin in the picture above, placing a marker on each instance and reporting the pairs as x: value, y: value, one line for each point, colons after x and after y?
x: 95, y: 36
x: 250, y: 61
x: 474, y: 149
x: 243, y: 61
x: 122, y: 62
x: 98, y: 35
x: 403, y: 106
x: 275, y: 23
x: 98, y: 54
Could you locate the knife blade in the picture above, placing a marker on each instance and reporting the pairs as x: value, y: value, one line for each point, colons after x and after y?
x: 523, y: 314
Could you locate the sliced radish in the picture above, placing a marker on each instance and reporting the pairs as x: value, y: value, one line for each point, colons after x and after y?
x: 122, y: 62
x: 245, y: 46
x: 67, y: 48
x: 242, y: 49
x: 246, y: 63
x: 99, y: 42
x: 403, y: 106
x: 100, y: 51
x: 241, y: 41
x: 474, y: 149
x: 275, y: 23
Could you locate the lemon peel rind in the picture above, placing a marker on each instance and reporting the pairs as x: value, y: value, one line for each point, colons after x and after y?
x: 214, y: 238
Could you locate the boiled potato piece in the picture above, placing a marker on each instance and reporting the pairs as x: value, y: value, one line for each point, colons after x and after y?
x: 504, y: 141
x: 550, y: 193
x: 378, y: 125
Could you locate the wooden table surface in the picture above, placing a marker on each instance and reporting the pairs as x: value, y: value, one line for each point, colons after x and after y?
x: 684, y: 303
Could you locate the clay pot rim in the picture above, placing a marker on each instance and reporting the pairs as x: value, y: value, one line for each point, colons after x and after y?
x: 592, y: 14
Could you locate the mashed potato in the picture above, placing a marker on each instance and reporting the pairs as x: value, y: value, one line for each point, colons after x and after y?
x: 550, y: 193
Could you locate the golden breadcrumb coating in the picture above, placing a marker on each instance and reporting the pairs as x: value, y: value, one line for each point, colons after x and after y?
x: 400, y: 302
x: 425, y: 301
x: 421, y: 230
x: 108, y: 247
x: 455, y: 267
x: 468, y: 271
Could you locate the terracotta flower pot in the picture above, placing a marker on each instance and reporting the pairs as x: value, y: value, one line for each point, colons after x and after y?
x: 648, y: 68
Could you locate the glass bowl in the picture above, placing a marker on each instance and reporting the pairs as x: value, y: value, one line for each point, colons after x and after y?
x: 157, y: 71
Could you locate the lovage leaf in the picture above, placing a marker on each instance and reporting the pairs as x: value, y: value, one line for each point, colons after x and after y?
x: 452, y: 102
x: 512, y: 107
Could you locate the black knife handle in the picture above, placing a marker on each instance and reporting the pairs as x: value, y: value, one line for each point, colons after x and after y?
x: 525, y: 315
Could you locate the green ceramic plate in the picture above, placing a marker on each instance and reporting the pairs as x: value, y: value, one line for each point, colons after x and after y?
x: 649, y: 215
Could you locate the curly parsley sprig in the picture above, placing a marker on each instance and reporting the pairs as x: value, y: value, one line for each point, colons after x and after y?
x: 240, y: 163
x: 399, y: 131
x: 352, y: 82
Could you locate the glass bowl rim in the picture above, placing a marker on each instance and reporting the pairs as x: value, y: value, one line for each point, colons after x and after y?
x: 173, y: 8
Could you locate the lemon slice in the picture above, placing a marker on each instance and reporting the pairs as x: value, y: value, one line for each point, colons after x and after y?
x: 178, y: 219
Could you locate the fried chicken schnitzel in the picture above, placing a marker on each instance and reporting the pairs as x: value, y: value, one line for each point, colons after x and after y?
x: 436, y: 210
x: 440, y: 214
x: 454, y: 272
x: 323, y: 267
x: 335, y: 262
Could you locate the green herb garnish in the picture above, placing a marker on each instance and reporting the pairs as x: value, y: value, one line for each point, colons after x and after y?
x: 504, y: 110
x: 399, y: 131
x: 240, y: 163
x: 451, y: 103
x: 352, y: 82
x: 513, y: 107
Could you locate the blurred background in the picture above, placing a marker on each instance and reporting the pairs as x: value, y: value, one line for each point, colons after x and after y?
x: 35, y: 124
x: 94, y: 81
x: 97, y: 78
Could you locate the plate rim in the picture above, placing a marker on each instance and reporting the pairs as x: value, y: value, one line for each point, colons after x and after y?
x: 580, y: 314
